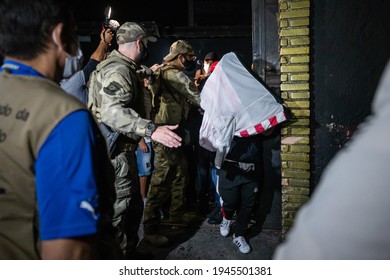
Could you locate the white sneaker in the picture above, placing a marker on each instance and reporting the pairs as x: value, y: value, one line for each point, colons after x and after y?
x: 241, y: 244
x: 225, y: 227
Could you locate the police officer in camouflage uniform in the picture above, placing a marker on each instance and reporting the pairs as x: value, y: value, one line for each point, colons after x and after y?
x: 173, y: 93
x: 115, y: 98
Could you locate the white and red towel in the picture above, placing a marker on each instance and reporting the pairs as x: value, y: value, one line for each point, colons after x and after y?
x: 236, y: 103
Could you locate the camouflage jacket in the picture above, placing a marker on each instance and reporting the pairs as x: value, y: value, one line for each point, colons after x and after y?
x: 173, y: 94
x: 116, y: 97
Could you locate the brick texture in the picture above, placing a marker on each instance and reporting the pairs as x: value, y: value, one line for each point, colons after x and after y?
x: 294, y: 36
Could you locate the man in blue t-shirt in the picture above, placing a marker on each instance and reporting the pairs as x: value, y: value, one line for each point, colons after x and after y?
x: 54, y: 164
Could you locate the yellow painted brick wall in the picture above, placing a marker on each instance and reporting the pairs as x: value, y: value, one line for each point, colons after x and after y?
x: 294, y: 35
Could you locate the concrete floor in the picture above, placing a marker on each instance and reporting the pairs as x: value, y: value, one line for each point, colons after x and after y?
x: 203, y: 241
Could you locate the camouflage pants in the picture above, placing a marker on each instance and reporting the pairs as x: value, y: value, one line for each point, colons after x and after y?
x: 169, y: 180
x: 128, y: 206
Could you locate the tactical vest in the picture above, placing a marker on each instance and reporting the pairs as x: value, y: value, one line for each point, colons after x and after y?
x: 169, y: 106
x: 30, y: 107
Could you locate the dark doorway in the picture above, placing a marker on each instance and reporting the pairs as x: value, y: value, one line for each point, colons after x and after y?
x: 265, y: 50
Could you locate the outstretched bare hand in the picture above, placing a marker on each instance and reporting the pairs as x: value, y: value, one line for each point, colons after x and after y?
x: 165, y: 135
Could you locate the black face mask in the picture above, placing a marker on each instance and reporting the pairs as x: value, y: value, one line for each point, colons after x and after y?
x: 144, y: 52
x: 189, y: 65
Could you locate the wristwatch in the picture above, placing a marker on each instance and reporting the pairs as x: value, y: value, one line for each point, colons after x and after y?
x: 150, y: 128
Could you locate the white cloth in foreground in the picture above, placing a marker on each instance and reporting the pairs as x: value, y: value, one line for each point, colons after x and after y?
x: 348, y: 215
x: 236, y: 103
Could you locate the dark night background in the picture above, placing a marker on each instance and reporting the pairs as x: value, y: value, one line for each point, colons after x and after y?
x: 170, y: 12
x: 349, y: 49
x: 216, y: 25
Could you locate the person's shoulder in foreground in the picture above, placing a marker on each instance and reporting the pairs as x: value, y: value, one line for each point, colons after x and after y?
x: 347, y: 217
x: 57, y: 146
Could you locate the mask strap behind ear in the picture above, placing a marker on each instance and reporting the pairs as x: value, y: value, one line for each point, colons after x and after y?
x: 55, y: 38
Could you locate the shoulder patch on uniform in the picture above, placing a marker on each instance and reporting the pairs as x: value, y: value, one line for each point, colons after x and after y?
x: 112, y: 88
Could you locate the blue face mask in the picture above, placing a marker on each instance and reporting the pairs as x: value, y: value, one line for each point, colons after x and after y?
x: 72, y: 63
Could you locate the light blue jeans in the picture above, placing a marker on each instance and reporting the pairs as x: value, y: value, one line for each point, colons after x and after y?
x: 145, y: 161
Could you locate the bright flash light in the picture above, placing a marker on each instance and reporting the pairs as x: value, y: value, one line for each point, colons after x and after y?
x: 107, y: 12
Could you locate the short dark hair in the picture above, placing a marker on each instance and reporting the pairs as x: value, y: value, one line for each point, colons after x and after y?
x: 211, y: 56
x: 25, y: 26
